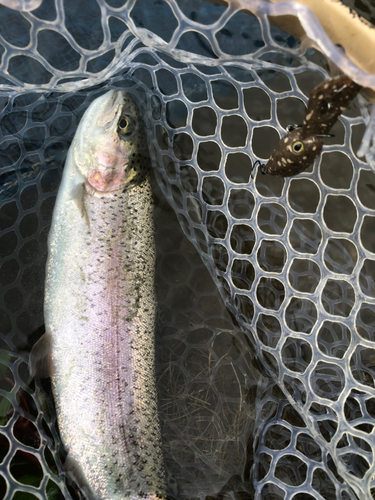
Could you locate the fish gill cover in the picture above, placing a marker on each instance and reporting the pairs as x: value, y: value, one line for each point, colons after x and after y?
x: 278, y: 401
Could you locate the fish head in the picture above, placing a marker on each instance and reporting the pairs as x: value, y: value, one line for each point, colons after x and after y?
x: 293, y: 154
x: 110, y: 145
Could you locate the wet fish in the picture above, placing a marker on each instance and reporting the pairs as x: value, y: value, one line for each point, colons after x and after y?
x: 100, y: 308
x: 303, y: 144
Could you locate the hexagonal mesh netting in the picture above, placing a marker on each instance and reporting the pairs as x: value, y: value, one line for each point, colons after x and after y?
x: 277, y: 400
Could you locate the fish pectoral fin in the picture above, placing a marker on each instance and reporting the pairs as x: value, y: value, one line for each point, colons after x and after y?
x: 40, y: 359
x: 77, y: 197
x: 84, y: 215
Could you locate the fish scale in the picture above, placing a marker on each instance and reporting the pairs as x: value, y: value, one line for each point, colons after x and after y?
x: 100, y: 315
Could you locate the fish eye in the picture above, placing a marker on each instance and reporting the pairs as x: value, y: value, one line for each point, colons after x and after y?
x: 125, y: 125
x: 298, y: 147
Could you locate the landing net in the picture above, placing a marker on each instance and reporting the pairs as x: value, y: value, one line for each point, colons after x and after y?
x: 293, y: 259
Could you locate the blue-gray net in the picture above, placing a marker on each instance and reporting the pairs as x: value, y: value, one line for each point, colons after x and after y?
x: 276, y: 399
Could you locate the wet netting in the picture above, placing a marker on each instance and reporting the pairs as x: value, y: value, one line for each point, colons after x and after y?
x: 266, y: 354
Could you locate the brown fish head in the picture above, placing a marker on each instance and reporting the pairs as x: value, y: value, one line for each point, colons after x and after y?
x: 293, y: 154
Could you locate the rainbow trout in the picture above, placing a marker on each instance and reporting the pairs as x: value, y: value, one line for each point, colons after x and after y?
x: 100, y: 308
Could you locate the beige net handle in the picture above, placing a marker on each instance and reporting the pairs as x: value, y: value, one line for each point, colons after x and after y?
x: 342, y: 26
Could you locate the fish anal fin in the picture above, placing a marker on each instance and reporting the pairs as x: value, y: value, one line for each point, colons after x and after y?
x: 75, y: 473
x: 40, y: 360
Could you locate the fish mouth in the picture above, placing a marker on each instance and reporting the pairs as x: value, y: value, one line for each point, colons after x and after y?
x: 115, y: 98
x: 111, y: 104
x: 106, y: 181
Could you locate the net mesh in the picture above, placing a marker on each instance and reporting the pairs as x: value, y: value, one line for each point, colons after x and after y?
x: 276, y: 401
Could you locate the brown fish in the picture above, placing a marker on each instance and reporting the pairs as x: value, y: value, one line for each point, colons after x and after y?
x: 302, y: 145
